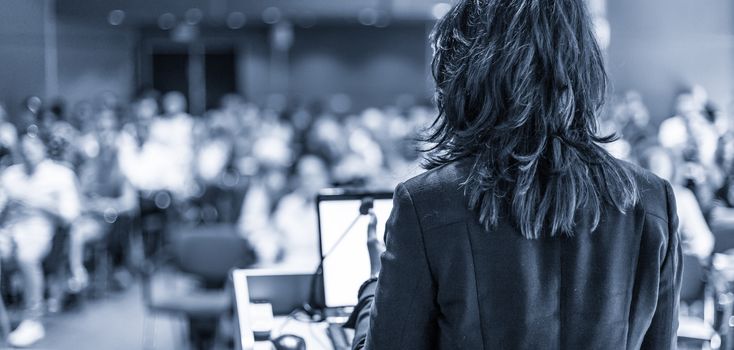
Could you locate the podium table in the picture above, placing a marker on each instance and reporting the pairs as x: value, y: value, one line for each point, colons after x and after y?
x: 284, y: 289
x: 314, y: 334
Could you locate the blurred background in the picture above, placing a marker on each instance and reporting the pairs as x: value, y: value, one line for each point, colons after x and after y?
x: 147, y: 147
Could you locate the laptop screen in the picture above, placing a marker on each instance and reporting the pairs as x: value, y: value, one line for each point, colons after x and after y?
x: 346, y: 263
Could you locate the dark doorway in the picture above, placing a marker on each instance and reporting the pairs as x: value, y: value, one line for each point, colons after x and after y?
x: 221, y: 75
x: 170, y: 72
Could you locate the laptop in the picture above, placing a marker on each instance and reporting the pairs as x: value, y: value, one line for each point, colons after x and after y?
x: 345, y: 259
x: 283, y: 290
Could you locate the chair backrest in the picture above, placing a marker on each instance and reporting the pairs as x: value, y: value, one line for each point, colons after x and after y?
x: 55, y: 259
x: 209, y: 253
x: 724, y: 237
x: 694, y: 279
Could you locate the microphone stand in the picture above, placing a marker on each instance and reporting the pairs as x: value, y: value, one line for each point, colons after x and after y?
x: 366, y: 208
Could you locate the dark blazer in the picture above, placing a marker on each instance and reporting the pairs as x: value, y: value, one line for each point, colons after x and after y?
x: 447, y: 283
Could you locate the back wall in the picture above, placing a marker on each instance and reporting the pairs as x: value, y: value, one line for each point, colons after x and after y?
x: 661, y: 47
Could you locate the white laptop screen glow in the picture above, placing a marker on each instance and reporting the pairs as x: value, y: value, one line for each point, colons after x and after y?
x: 348, y: 264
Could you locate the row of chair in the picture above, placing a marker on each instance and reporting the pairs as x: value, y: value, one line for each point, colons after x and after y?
x: 187, y: 281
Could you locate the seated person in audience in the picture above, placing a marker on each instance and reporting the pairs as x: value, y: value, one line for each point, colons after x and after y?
x: 41, y: 195
x: 221, y: 184
x: 267, y: 166
x: 633, y: 121
x: 722, y: 213
x: 402, y: 159
x: 697, y: 237
x: 694, y: 138
x: 295, y: 219
x: 326, y: 139
x: 285, y: 231
x: 213, y: 147
x: 106, y: 192
x: 363, y: 161
x: 143, y: 111
x: 695, y: 131
x: 8, y: 139
x: 59, y: 134
x: 165, y: 159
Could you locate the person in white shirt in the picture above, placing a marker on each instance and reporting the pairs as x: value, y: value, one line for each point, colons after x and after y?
x: 268, y: 164
x: 286, y: 237
x: 41, y: 194
x: 8, y: 139
x: 254, y: 222
x: 697, y: 237
x: 165, y: 161
x: 295, y: 219
x: 692, y: 136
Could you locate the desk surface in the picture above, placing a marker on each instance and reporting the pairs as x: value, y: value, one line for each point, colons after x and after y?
x: 313, y: 333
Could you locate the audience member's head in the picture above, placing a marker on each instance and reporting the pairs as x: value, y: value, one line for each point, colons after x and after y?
x: 685, y: 105
x: 146, y: 109
x: 107, y: 126
x: 81, y: 113
x: 639, y: 114
x: 660, y: 161
x: 174, y: 102
x: 32, y: 150
x: 312, y: 175
x: 272, y: 152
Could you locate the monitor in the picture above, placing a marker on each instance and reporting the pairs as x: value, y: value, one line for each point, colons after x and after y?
x: 345, y: 262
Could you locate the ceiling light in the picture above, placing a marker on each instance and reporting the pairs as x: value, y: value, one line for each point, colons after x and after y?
x: 367, y: 16
x: 271, y: 15
x: 166, y: 21
x: 236, y: 20
x: 115, y: 17
x: 193, y: 16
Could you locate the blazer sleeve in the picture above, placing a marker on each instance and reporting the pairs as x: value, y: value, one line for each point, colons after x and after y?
x: 403, y: 312
x: 662, y: 333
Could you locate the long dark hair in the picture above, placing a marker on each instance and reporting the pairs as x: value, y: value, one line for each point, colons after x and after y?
x: 519, y: 85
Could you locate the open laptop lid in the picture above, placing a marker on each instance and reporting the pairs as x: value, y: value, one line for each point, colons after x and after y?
x: 285, y: 290
x: 345, y: 260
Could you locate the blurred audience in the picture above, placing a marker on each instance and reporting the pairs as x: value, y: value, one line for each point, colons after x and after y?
x: 697, y: 238
x: 693, y: 149
x: 106, y: 193
x: 259, y: 168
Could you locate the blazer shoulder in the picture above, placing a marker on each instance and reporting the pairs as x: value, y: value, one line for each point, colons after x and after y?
x: 438, y: 195
x: 653, y: 190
